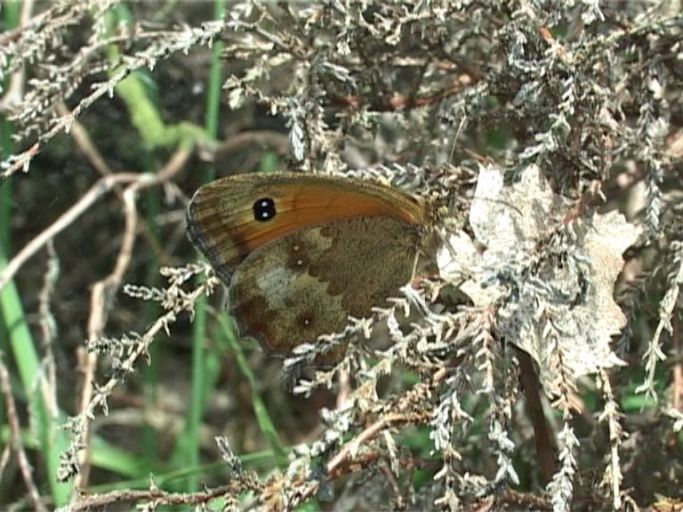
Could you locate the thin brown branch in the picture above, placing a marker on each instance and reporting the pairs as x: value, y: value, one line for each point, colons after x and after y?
x: 677, y: 385
x: 15, y: 438
x: 243, y: 141
x: 85, y: 144
x: 545, y: 447
x: 346, y: 454
x: 393, y: 483
x: 182, y: 302
x: 399, y: 102
x: 344, y: 388
x: 100, y: 188
x: 104, y: 290
x: 4, y: 459
x: 158, y: 497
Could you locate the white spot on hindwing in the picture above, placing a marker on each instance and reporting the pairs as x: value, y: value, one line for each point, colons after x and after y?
x: 292, y: 288
x: 286, y: 289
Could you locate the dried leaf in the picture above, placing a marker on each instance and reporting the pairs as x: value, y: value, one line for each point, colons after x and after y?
x: 551, y: 284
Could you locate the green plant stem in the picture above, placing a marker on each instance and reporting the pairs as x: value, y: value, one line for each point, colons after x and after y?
x: 45, y: 421
x: 202, y: 378
x: 151, y: 310
x: 230, y: 342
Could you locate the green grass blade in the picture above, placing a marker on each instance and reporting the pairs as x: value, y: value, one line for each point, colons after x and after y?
x: 45, y: 423
x: 266, y: 425
x: 205, y: 365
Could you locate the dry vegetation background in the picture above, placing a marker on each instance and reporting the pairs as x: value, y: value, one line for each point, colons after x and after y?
x: 541, y: 371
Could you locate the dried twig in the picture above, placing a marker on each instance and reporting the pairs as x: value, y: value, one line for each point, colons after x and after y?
x: 104, y: 290
x: 100, y: 188
x: 155, y: 498
x: 15, y: 438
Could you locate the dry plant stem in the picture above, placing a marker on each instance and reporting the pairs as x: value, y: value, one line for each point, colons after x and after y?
x: 367, y: 434
x: 677, y: 342
x: 524, y: 501
x: 4, y: 459
x: 49, y: 330
x: 395, y: 487
x: 346, y: 453
x: 99, y: 397
x: 667, y: 310
x: 615, y: 435
x: 104, y: 290
x: 344, y: 388
x: 27, y: 8
x: 100, y: 188
x: 402, y: 102
x: 15, y: 438
x: 85, y: 144
x: 63, y: 124
x: 544, y: 445
x: 15, y: 90
x: 393, y: 419
x: 101, y: 501
x: 245, y: 140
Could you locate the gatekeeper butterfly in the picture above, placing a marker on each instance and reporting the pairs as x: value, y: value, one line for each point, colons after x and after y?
x: 300, y: 253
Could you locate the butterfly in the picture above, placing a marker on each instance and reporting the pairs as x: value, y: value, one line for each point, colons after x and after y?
x: 300, y: 253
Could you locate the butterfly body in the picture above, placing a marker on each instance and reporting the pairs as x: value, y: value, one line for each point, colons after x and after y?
x: 301, y: 253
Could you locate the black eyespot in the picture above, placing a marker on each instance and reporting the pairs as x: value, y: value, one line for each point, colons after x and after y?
x: 264, y: 209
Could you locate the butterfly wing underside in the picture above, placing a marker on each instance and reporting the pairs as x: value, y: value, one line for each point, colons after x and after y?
x: 308, y: 283
x: 221, y: 218
x: 321, y: 249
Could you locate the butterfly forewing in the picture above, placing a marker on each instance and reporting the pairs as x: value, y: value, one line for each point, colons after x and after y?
x: 222, y: 217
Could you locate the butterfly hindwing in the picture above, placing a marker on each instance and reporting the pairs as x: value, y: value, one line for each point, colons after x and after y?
x: 308, y: 283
